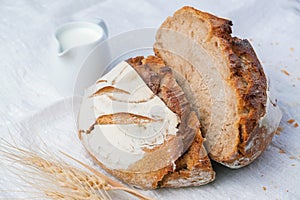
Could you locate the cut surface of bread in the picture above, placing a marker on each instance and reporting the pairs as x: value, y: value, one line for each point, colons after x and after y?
x: 224, y: 82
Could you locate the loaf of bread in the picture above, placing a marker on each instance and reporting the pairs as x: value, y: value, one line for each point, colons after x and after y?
x: 225, y: 83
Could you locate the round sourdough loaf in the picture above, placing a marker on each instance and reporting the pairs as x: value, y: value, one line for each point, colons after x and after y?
x: 225, y: 83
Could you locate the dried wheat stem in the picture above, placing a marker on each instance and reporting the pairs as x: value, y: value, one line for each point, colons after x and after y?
x: 54, y: 178
x: 116, y: 185
x: 57, y: 179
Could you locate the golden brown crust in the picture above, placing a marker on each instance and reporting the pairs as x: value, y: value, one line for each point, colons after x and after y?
x: 246, y: 78
x: 189, y: 166
x: 248, y: 72
x: 252, y: 103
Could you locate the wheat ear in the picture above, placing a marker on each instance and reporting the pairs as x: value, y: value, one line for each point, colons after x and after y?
x: 57, y: 179
x: 116, y: 185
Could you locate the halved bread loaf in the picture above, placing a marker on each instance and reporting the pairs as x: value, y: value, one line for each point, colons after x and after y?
x: 224, y: 82
x: 192, y: 168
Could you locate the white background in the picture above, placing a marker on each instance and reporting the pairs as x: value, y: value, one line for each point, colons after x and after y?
x: 28, y: 98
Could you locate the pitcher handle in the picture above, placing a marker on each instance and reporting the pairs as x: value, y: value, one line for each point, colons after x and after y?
x: 103, y: 25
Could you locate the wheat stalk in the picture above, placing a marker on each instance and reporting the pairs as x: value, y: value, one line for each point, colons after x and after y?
x: 57, y: 179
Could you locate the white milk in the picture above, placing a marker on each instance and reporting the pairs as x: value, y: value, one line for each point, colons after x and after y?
x: 78, y: 36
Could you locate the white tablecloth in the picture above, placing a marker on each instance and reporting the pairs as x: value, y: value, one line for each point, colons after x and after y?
x: 28, y: 98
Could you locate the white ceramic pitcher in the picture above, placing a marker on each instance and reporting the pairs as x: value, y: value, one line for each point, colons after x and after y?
x: 73, y: 42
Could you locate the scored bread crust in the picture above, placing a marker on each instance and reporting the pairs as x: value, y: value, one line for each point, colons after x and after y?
x: 194, y: 167
x: 243, y: 75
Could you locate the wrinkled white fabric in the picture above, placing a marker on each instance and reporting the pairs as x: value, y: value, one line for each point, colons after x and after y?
x: 28, y: 98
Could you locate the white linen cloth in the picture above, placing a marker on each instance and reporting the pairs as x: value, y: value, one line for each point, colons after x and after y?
x: 28, y: 99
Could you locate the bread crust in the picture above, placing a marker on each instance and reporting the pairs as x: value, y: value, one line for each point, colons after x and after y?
x: 247, y: 80
x: 248, y: 72
x: 192, y: 169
